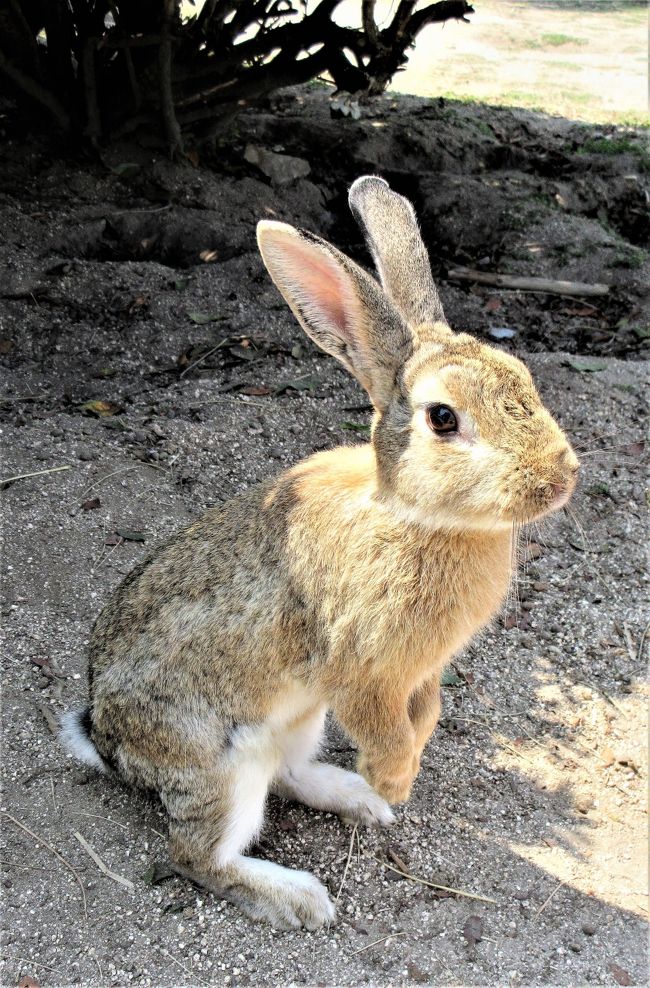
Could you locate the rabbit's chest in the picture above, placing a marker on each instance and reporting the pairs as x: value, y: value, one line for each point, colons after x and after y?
x: 423, y: 609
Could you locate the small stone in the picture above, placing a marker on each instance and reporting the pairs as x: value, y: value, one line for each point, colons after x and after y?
x: 584, y: 803
x: 540, y: 585
x: 588, y: 929
x: 280, y: 168
x: 575, y: 947
x: 416, y: 973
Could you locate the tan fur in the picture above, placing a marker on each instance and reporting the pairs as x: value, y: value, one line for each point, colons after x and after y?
x: 346, y: 583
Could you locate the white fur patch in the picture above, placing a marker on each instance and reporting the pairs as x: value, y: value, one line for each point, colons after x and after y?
x: 256, y: 757
x: 75, y: 740
x: 333, y: 789
x: 439, y: 519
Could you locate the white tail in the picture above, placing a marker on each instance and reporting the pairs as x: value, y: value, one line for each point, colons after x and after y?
x: 75, y: 739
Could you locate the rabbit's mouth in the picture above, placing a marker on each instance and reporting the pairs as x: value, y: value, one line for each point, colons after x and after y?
x: 561, y: 495
x: 550, y: 498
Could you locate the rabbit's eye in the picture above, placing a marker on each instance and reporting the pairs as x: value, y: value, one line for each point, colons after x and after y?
x: 442, y: 418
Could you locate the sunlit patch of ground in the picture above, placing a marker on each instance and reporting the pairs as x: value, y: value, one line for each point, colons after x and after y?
x: 586, y: 64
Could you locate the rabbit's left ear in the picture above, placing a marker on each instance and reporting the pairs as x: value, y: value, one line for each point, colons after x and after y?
x: 338, y: 305
x: 391, y: 228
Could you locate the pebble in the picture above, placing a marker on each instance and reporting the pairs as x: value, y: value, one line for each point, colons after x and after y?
x: 588, y: 929
x: 584, y: 803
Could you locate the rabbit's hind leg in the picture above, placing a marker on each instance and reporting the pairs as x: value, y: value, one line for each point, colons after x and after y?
x: 323, y: 786
x: 216, y: 815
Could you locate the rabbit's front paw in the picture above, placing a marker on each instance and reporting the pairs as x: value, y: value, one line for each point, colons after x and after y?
x: 394, y: 787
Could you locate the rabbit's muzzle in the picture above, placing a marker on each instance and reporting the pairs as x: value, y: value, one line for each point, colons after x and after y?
x: 548, y: 485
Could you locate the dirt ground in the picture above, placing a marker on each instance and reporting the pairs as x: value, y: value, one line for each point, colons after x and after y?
x: 148, y: 360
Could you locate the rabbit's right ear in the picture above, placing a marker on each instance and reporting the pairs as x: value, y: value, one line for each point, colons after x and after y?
x: 391, y: 228
x: 338, y: 305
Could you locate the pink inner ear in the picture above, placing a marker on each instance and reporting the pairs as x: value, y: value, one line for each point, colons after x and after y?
x: 320, y: 286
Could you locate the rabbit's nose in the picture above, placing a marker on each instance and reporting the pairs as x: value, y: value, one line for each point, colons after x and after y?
x: 568, y: 463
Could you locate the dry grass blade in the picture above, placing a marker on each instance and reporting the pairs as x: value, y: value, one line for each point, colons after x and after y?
x: 204, y: 356
x: 639, y: 654
x: 34, y: 473
x: 97, y: 816
x: 433, y: 885
x: 546, y: 901
x: 100, y: 864
x: 347, y: 863
x: 187, y: 970
x: 401, y: 933
x: 41, y: 840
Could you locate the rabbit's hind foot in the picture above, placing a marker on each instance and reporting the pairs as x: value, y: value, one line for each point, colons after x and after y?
x: 266, y: 891
x: 216, y: 814
x: 334, y: 790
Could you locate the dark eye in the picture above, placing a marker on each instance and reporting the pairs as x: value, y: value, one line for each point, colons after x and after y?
x: 442, y: 418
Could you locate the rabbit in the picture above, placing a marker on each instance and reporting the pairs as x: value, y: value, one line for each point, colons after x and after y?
x: 345, y: 584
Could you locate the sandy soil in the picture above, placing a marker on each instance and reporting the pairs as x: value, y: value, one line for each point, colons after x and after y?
x: 531, y: 801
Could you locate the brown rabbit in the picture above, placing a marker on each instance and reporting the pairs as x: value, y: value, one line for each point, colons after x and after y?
x: 346, y: 583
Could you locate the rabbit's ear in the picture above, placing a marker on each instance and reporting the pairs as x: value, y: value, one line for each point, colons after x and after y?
x: 338, y: 305
x: 393, y: 236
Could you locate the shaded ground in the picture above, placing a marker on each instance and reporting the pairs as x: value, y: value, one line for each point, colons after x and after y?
x: 532, y: 791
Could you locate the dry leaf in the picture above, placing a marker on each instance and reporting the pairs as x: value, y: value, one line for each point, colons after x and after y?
x: 619, y: 974
x: 208, y: 255
x: 90, y: 504
x: 493, y: 304
x: 28, y: 982
x: 101, y: 409
x: 252, y: 389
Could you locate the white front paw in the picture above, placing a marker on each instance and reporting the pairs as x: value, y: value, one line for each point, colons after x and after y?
x: 363, y: 805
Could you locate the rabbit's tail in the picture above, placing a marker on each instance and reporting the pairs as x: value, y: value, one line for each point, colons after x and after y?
x: 75, y: 738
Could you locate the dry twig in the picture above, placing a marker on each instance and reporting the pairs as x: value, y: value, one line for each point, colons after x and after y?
x: 41, y: 840
x: 100, y: 864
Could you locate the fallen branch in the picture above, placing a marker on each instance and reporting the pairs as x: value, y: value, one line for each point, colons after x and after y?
x: 516, y: 283
x: 100, y: 864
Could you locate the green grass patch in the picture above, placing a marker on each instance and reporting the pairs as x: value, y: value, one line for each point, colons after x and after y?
x: 556, y: 40
x: 601, y: 145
